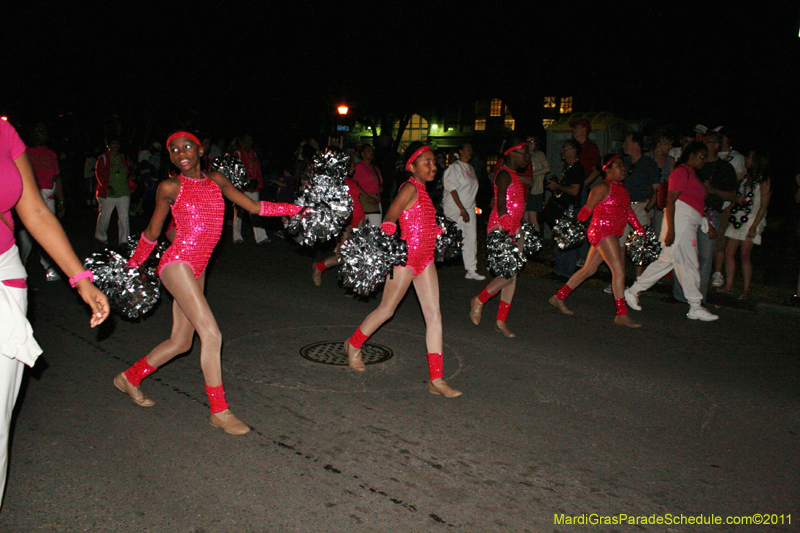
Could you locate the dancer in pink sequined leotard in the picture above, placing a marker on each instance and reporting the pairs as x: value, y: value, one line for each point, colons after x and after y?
x: 419, y: 229
x: 610, y: 208
x: 198, y: 212
x: 196, y: 204
x: 507, y: 213
x: 413, y: 209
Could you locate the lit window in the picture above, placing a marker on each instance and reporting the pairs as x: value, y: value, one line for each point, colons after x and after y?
x: 496, y: 108
x: 480, y: 124
x: 510, y: 123
x: 490, y: 163
x: 566, y: 104
x: 416, y: 130
x: 550, y: 102
x: 548, y: 122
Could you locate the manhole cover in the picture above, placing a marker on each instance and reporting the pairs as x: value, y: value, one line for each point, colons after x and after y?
x: 332, y: 353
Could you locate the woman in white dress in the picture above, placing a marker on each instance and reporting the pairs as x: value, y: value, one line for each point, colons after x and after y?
x: 750, y: 219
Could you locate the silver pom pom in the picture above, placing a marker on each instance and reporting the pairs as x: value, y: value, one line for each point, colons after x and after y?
x: 448, y: 244
x: 131, y: 291
x: 326, y: 197
x: 232, y: 168
x: 568, y: 232
x: 368, y: 256
x: 643, y: 248
x: 503, y: 255
x: 531, y: 240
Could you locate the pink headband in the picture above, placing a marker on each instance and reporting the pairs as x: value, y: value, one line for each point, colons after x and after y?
x: 611, y: 161
x: 414, y: 156
x: 183, y: 134
x: 520, y: 145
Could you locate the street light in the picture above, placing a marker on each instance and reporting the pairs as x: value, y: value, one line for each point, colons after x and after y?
x: 343, y: 109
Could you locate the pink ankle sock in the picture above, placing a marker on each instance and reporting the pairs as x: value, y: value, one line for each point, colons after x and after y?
x: 140, y: 370
x: 216, y: 398
x: 358, y: 339
x: 484, y: 296
x: 564, y: 292
x: 502, y: 311
x: 622, y: 309
x: 435, y: 365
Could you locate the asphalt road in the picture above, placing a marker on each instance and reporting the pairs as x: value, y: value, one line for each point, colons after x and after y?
x: 574, y: 416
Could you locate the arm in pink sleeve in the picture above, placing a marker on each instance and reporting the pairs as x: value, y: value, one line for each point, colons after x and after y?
x: 584, y: 214
x: 142, y: 252
x: 270, y: 209
x: 634, y: 222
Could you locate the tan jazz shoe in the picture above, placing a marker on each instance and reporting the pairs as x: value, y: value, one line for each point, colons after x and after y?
x: 354, y: 357
x: 626, y: 320
x: 500, y: 326
x: 560, y: 305
x: 138, y: 397
x: 225, y: 421
x: 316, y: 275
x: 475, y: 308
x: 440, y: 387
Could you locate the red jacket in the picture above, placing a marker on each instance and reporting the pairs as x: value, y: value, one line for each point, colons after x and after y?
x: 102, y: 172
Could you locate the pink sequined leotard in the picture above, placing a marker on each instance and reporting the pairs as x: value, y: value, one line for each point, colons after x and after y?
x: 611, y: 215
x: 515, y: 203
x: 198, y: 212
x: 419, y: 229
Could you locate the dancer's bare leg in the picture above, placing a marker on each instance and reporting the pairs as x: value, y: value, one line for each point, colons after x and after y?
x: 730, y: 263
x: 187, y: 291
x: 426, y: 284
x: 747, y: 266
x: 614, y: 256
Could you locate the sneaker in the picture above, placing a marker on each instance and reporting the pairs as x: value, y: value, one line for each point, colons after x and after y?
x: 472, y: 274
x: 632, y: 299
x: 701, y: 313
x: 717, y: 280
x: 52, y: 275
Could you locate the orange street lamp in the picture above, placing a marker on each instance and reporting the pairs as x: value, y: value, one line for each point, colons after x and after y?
x: 343, y: 109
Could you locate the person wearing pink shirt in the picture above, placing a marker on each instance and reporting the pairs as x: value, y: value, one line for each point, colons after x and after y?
x: 45, y: 169
x: 369, y: 180
x: 252, y: 167
x: 683, y: 216
x: 18, y: 348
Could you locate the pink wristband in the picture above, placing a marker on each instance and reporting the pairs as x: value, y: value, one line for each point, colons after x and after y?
x: 85, y: 274
x: 389, y: 228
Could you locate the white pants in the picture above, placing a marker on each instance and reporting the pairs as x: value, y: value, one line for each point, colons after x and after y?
x: 259, y: 232
x: 11, y: 369
x: 469, y: 234
x: 107, y: 206
x: 682, y: 256
x: 375, y: 219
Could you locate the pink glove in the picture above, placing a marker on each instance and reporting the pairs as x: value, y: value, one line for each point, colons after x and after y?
x: 389, y: 228
x: 271, y: 209
x: 142, y: 252
x: 634, y: 222
x: 584, y: 214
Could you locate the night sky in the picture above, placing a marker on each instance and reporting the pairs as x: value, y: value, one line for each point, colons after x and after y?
x: 259, y: 67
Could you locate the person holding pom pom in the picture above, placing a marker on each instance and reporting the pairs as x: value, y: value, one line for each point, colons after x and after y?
x: 355, y: 221
x: 509, y: 206
x: 610, y: 208
x: 195, y: 200
x: 413, y: 210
